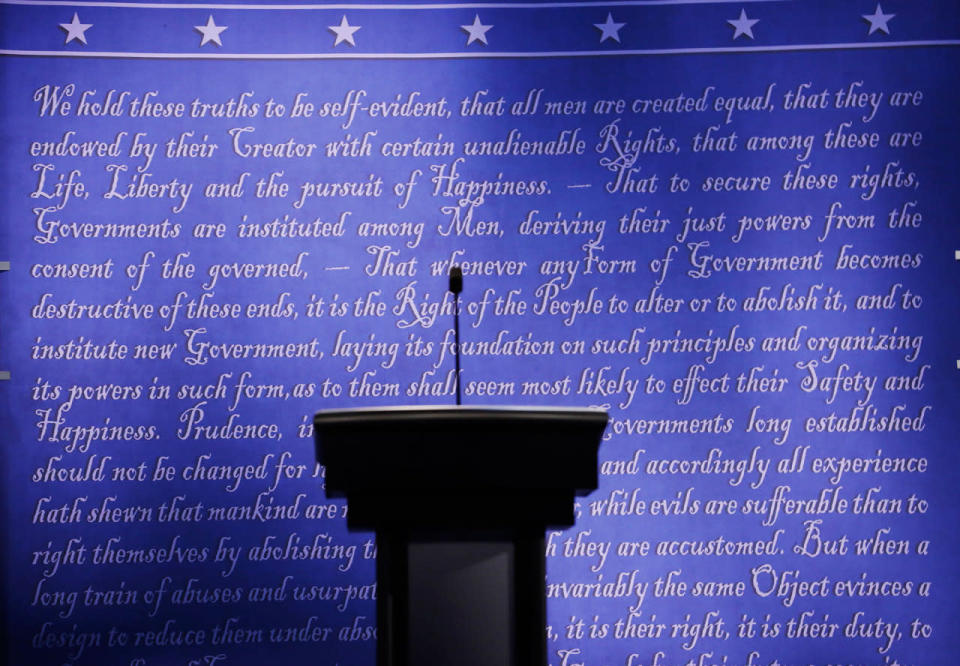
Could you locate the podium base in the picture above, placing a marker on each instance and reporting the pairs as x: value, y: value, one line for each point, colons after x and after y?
x: 473, y: 600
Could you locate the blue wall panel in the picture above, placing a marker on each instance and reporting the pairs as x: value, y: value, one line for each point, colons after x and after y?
x: 730, y: 224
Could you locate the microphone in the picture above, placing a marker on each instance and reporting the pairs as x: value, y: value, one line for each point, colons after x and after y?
x: 456, y: 286
x: 456, y: 279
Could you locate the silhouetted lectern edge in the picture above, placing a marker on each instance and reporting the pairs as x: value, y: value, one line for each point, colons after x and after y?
x: 460, y: 498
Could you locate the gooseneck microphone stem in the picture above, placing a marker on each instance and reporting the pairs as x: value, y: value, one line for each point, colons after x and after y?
x: 456, y: 286
x: 456, y: 339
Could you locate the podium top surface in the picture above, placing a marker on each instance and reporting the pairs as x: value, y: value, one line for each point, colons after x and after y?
x: 392, y: 431
x: 392, y: 449
x: 459, y: 413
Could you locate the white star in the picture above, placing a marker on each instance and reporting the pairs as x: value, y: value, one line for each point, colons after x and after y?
x: 211, y: 32
x: 878, y: 20
x: 477, y: 31
x: 609, y: 30
x: 344, y: 32
x: 743, y: 25
x: 75, y: 30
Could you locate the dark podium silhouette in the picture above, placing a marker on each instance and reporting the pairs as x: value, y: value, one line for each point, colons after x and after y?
x: 460, y: 498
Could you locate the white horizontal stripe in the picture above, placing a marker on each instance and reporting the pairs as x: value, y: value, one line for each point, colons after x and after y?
x: 478, y: 54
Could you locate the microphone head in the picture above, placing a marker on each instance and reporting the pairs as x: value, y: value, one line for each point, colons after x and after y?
x: 456, y: 279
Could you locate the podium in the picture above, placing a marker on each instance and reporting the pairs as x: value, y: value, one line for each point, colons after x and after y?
x: 460, y: 498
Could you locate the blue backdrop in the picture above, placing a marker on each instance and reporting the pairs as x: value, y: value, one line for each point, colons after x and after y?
x: 730, y: 224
